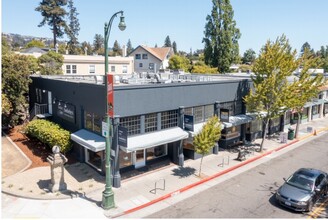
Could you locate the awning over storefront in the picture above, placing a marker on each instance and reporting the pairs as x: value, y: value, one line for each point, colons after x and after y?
x: 197, y: 128
x: 153, y: 139
x: 237, y: 120
x: 89, y: 140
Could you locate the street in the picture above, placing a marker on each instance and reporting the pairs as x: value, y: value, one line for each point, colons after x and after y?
x: 251, y: 194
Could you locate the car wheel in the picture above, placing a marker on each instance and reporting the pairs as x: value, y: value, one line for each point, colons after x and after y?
x: 310, y: 206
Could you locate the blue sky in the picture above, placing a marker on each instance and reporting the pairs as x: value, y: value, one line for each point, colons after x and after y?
x: 150, y: 21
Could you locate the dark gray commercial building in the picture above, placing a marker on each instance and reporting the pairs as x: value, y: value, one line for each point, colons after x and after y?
x: 159, y: 119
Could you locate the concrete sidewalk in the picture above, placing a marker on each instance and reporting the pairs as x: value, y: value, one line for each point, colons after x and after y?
x: 139, y: 192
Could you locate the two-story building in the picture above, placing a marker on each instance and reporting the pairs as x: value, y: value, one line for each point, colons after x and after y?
x: 151, y: 59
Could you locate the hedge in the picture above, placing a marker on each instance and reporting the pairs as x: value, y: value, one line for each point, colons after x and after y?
x: 50, y: 134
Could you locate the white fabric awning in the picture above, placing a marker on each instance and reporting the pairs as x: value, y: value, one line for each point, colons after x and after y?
x: 197, y: 128
x: 237, y: 120
x: 156, y: 138
x: 89, y: 140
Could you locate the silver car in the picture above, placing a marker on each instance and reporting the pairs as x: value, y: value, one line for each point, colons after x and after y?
x: 302, y: 189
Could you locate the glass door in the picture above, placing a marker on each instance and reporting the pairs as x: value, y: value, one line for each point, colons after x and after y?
x: 140, y: 158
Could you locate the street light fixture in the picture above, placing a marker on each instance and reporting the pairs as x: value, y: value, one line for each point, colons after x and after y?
x: 108, y: 194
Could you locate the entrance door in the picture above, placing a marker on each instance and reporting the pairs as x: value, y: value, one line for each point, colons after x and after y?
x: 140, y: 158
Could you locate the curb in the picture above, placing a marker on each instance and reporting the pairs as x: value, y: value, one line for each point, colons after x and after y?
x: 176, y: 192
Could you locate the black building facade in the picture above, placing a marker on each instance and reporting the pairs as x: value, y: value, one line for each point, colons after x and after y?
x: 151, y: 115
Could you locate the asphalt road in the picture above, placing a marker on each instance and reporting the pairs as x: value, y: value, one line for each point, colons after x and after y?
x: 251, y: 194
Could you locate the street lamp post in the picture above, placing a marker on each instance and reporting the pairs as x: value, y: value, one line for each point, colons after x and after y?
x: 108, y: 194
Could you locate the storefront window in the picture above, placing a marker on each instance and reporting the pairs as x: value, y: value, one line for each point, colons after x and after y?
x: 209, y: 111
x: 132, y: 124
x: 155, y: 152
x: 275, y: 122
x: 94, y: 158
x: 231, y: 132
x: 198, y: 114
x: 125, y: 159
x: 256, y: 125
x: 93, y: 122
x: 287, y: 117
x: 151, y: 122
x: 169, y: 119
x: 315, y: 110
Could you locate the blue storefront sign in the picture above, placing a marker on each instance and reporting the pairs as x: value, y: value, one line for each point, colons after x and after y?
x: 189, y: 122
x: 122, y: 136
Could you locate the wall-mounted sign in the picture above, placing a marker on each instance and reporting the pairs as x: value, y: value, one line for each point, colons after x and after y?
x: 189, y: 122
x: 110, y: 95
x: 66, y: 111
x: 104, y: 129
x: 224, y: 115
x: 122, y: 136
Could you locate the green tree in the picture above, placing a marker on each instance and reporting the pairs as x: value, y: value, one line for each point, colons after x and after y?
x: 117, y: 50
x: 129, y: 47
x: 33, y: 64
x: 86, y: 47
x: 305, y: 86
x: 249, y: 56
x: 179, y: 62
x: 201, y: 67
x: 53, y: 13
x: 73, y: 29
x: 221, y: 47
x: 205, y: 140
x: 35, y: 43
x: 15, y: 81
x: 5, y: 47
x: 275, y: 63
x: 167, y: 42
x: 98, y: 43
x: 51, y: 63
x: 306, y: 46
x: 174, y: 45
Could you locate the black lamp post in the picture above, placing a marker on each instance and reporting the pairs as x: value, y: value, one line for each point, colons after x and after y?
x: 108, y: 194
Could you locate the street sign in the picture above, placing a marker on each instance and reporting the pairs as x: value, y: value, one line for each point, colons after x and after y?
x: 104, y: 129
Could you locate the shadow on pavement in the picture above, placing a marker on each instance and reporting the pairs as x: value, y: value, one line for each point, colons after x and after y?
x: 183, y: 172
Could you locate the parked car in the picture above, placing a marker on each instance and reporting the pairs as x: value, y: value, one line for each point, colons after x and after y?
x: 303, y: 189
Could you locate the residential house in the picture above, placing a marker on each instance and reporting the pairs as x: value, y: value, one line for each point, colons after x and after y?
x: 85, y: 64
x: 151, y: 59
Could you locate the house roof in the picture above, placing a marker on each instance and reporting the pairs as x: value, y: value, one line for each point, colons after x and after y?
x: 35, y: 50
x: 158, y: 52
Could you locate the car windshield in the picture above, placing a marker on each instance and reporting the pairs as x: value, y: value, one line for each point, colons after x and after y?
x: 300, y: 182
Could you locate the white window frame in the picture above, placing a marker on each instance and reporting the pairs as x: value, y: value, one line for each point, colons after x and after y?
x: 92, y: 67
x: 71, y: 69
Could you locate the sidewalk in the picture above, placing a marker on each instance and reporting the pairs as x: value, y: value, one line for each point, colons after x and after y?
x: 139, y: 192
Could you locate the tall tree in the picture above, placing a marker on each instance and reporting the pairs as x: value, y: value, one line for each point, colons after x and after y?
x: 167, y: 42
x: 275, y: 63
x: 117, y: 50
x: 221, y: 47
x: 51, y: 63
x: 54, y: 15
x: 305, y: 86
x: 73, y: 29
x: 205, y: 140
x: 129, y: 47
x: 15, y: 80
x: 174, y: 45
x: 98, y: 43
x: 249, y: 56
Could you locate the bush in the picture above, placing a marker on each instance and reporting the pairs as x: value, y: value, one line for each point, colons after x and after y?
x: 50, y: 134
